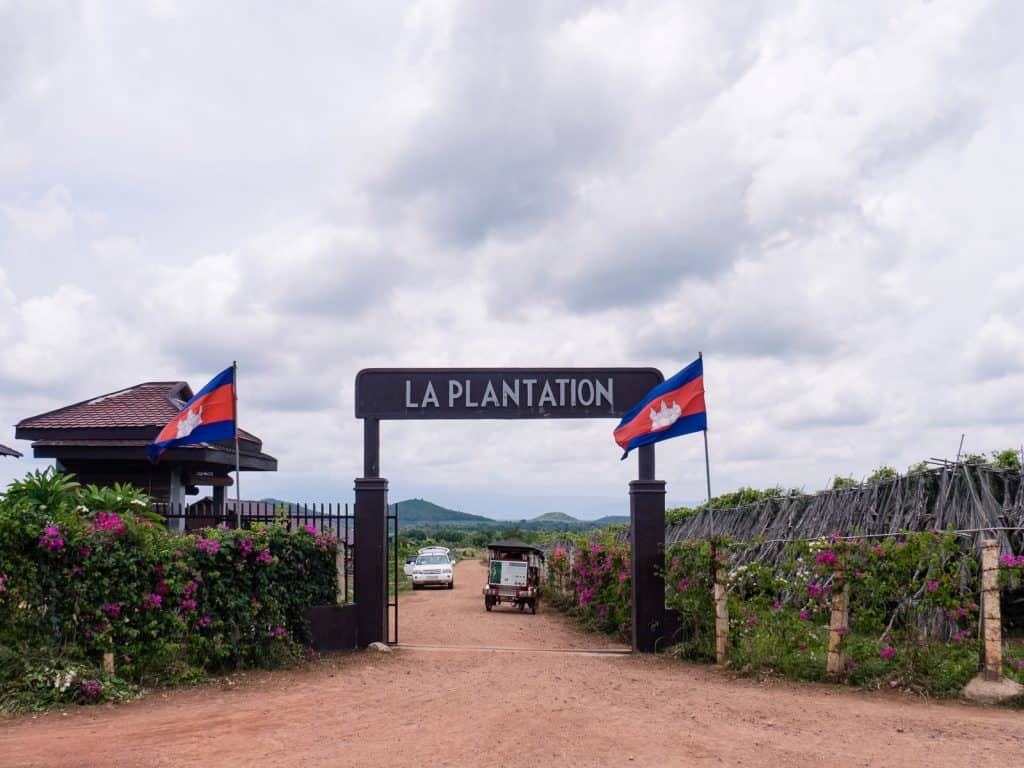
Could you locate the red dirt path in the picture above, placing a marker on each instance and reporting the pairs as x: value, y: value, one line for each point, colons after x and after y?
x: 544, y: 694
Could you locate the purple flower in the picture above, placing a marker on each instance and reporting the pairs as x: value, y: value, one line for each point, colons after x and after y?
x: 777, y: 606
x: 813, y: 590
x: 107, y: 521
x: 3, y: 582
x: 887, y: 653
x: 51, y: 540
x: 311, y: 529
x: 190, y: 588
x: 931, y: 586
x: 90, y: 690
x: 264, y: 557
x: 277, y: 632
x: 828, y: 557
x: 189, y: 604
x: 805, y: 615
x: 205, y: 622
x: 113, y: 610
x: 209, y: 546
x: 152, y: 602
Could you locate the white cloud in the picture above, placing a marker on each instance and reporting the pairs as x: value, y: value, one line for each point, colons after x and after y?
x: 820, y: 199
x: 45, y: 220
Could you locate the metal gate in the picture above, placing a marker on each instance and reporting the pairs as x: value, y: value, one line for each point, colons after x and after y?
x: 394, y: 548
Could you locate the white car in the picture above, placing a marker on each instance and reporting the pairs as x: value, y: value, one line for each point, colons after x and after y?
x: 432, y: 569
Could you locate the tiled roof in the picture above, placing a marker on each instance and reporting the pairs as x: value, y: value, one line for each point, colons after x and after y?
x: 5, y: 451
x: 151, y: 404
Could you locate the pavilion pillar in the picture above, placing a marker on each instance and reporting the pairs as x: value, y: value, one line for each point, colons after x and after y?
x: 176, y: 497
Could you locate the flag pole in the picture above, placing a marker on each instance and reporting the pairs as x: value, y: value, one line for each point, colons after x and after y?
x: 707, y: 463
x: 238, y: 474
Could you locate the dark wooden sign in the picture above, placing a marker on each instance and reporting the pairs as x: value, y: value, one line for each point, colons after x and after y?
x: 501, y: 393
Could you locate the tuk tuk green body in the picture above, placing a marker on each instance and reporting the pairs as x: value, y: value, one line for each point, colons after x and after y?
x: 513, y: 575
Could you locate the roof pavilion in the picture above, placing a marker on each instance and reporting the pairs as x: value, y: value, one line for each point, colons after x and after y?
x: 104, y: 440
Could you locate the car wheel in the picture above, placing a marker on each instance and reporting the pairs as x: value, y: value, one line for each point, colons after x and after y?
x: 451, y: 585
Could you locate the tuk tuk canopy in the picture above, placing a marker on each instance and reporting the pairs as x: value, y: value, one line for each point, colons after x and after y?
x: 513, y: 547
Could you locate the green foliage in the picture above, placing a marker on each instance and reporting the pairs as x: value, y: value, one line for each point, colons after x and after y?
x: 689, y: 578
x: 882, y: 473
x: 839, y: 482
x: 741, y: 497
x: 1008, y: 458
x: 85, y: 571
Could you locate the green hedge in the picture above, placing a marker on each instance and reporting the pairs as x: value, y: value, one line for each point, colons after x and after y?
x: 87, y: 571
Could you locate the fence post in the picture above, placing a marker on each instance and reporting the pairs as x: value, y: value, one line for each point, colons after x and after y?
x: 108, y: 663
x: 340, y: 567
x: 991, y: 618
x: 721, y: 611
x: 838, y: 624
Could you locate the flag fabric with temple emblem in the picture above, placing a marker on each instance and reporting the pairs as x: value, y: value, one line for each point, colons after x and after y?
x: 207, y: 417
x: 674, y: 407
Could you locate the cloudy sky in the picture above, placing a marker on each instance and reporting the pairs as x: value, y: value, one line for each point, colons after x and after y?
x: 825, y: 198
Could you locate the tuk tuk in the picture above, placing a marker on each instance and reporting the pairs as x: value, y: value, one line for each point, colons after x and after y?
x: 513, y: 575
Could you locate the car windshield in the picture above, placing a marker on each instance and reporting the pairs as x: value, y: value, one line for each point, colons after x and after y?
x: 431, y: 560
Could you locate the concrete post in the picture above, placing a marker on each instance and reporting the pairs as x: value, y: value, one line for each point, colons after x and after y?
x: 991, y: 617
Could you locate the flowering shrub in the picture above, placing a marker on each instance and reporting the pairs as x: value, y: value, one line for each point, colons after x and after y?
x: 689, y: 579
x: 912, y: 608
x: 597, y: 584
x: 77, y: 582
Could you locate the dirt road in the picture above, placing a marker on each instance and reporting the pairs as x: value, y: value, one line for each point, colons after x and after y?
x: 543, y: 694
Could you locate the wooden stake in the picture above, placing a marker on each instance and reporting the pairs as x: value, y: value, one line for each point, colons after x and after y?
x: 839, y: 624
x: 108, y: 663
x: 721, y: 616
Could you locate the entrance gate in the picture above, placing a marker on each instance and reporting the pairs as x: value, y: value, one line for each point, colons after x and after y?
x: 502, y: 393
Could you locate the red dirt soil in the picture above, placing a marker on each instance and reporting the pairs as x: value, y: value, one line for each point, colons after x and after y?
x: 470, y: 688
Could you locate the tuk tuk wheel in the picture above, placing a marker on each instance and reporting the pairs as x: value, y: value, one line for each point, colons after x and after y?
x: 488, y: 603
x: 533, y: 606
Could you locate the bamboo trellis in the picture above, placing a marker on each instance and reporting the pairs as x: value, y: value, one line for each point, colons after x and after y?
x: 979, y: 501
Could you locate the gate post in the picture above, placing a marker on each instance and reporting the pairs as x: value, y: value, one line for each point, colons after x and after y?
x: 371, y: 572
x: 647, y: 521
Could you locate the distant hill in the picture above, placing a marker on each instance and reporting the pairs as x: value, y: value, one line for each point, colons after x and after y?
x: 555, y: 517
x: 419, y: 511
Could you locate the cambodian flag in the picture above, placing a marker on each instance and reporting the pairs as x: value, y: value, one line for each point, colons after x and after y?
x: 674, y: 407
x: 207, y: 417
